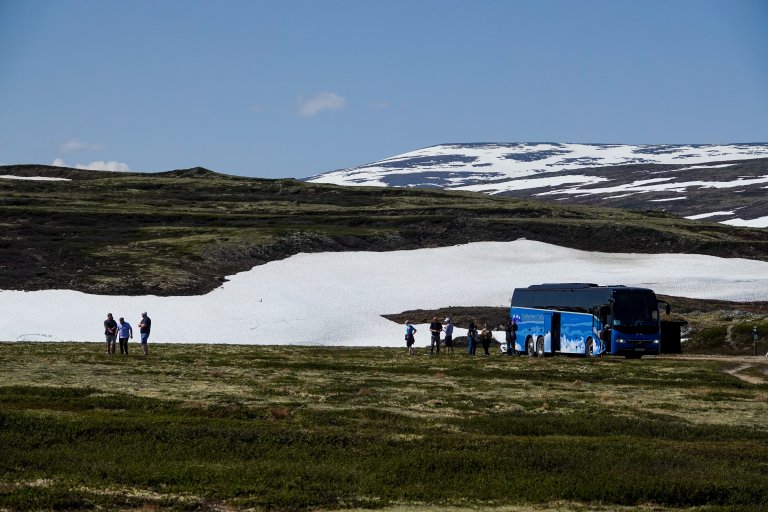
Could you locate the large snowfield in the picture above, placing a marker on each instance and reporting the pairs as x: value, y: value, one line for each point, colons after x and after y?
x: 337, y: 298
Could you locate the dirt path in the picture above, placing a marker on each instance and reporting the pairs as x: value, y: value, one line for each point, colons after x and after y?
x: 736, y: 372
x: 741, y: 364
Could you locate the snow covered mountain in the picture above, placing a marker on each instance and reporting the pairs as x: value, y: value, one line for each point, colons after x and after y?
x: 725, y: 183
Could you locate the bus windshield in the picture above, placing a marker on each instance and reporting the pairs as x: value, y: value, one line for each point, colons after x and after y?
x: 635, y: 310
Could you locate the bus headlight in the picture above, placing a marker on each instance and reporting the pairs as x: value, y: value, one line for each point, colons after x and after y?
x: 656, y: 342
x: 620, y: 340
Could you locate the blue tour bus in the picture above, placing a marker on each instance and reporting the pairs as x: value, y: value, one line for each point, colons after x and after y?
x: 586, y: 319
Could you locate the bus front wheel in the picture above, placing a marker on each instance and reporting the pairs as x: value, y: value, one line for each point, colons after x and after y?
x: 540, y: 347
x: 529, y: 349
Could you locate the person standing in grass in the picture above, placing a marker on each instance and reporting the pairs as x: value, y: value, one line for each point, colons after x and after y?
x: 410, y: 339
x: 485, y: 337
x: 435, y: 328
x: 124, y: 331
x: 448, y: 335
x: 145, y: 325
x: 510, y: 329
x: 471, y: 338
x: 110, y: 331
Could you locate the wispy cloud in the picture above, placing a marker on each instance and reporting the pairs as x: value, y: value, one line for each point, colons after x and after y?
x: 98, y: 165
x: 318, y: 102
x: 75, y: 144
x: 382, y: 105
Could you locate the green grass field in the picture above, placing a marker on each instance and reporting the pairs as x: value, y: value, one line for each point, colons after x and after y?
x: 219, y: 427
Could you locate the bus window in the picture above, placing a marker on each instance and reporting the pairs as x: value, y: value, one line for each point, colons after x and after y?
x: 635, y: 309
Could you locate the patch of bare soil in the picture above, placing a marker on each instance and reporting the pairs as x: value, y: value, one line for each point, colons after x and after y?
x: 752, y: 369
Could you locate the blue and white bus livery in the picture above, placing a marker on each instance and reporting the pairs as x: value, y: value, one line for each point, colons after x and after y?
x: 586, y: 319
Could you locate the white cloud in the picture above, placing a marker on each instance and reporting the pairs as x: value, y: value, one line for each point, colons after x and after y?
x: 75, y: 145
x: 319, y: 102
x: 98, y: 165
x: 101, y: 165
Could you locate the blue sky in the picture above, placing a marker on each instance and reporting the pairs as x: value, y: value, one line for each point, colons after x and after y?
x: 296, y: 88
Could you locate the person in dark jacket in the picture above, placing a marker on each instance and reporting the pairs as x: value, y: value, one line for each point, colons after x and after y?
x: 435, y: 328
x: 510, y: 330
x: 145, y: 326
x: 110, y: 332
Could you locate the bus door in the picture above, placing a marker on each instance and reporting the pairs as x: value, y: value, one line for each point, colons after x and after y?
x: 606, y: 334
x: 555, y: 336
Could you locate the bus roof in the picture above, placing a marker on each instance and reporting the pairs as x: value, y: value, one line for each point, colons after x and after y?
x: 575, y: 296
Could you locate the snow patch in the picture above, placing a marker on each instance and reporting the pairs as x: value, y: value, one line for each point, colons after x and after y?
x: 668, y: 199
x: 32, y: 178
x: 707, y: 215
x: 337, y: 298
x: 760, y: 222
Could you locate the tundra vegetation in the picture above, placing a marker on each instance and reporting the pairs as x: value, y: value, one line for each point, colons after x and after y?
x: 220, y: 427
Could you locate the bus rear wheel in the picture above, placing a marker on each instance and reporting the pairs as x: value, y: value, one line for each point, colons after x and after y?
x: 540, y: 347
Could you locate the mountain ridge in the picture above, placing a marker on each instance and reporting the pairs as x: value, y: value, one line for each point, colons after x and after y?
x: 684, y: 179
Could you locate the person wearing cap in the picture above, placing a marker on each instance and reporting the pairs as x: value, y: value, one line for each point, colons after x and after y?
x: 435, y: 328
x: 448, y: 328
x: 145, y: 325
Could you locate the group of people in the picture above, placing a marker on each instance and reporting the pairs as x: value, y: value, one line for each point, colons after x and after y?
x: 123, y: 331
x: 484, y: 337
